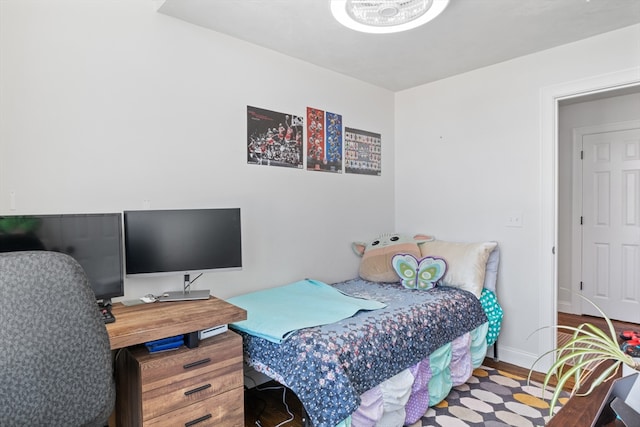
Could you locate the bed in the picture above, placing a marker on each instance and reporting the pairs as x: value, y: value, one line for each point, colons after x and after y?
x: 384, y: 365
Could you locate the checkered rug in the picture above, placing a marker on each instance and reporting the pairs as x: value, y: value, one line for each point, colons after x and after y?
x: 493, y: 398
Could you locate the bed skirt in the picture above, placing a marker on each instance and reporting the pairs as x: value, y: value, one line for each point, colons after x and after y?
x: 404, y: 398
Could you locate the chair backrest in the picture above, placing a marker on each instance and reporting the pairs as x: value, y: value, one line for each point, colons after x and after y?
x: 55, y: 360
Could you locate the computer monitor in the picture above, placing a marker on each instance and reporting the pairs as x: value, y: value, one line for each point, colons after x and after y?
x: 620, y: 389
x: 182, y: 241
x: 94, y: 240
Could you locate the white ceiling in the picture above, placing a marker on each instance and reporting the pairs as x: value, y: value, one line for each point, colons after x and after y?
x: 468, y: 35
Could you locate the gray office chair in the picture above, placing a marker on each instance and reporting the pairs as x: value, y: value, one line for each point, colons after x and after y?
x: 55, y: 358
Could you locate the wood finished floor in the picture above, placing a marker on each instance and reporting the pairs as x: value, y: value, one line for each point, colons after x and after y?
x: 266, y: 409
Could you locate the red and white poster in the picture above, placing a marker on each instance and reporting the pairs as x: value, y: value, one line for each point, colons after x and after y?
x: 274, y: 139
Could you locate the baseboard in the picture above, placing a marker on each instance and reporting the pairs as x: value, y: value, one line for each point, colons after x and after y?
x: 566, y: 307
x: 253, y: 378
x: 518, y: 358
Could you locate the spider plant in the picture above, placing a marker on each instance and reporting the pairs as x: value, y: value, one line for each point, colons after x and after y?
x: 588, y: 345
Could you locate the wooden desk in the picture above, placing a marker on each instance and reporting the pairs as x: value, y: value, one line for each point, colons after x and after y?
x: 202, y: 386
x: 142, y: 323
x: 581, y: 411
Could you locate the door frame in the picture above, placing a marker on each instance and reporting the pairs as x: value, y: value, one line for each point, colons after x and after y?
x: 550, y: 96
x: 576, y: 207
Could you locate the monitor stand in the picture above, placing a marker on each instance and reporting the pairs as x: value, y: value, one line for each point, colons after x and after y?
x: 183, y: 296
x: 186, y: 294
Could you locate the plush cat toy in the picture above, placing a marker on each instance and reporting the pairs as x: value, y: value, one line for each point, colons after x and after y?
x: 376, y: 256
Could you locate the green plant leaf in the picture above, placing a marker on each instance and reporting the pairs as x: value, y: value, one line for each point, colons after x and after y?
x: 588, y: 345
x: 17, y: 224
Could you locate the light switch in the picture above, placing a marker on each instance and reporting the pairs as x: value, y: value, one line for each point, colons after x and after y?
x: 514, y: 219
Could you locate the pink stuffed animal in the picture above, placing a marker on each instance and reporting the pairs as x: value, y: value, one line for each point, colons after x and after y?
x: 376, y: 256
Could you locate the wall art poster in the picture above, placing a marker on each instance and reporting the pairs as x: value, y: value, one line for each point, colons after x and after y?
x: 324, y: 141
x: 274, y: 139
x: 362, y: 152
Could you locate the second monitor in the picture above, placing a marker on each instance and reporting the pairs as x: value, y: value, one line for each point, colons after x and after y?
x: 181, y: 242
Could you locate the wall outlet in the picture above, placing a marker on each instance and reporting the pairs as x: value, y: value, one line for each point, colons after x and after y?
x: 514, y: 219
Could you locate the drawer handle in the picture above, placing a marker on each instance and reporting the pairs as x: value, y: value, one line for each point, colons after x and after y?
x: 199, y: 362
x: 197, y: 420
x: 197, y: 389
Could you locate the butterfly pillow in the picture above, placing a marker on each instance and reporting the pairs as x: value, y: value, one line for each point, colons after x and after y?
x: 419, y: 274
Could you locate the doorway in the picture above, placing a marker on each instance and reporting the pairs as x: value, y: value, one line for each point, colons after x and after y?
x: 551, y: 255
x: 598, y: 232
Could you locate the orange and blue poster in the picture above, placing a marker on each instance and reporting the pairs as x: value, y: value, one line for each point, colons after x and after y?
x: 324, y: 141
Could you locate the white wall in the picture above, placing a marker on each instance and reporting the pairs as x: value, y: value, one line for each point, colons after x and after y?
x: 469, y: 153
x: 108, y: 103
x: 574, y: 115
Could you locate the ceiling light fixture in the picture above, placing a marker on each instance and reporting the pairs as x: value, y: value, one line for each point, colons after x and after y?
x: 386, y: 16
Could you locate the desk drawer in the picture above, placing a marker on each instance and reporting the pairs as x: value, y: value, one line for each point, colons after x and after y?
x: 223, y: 410
x: 179, y: 394
x: 163, y: 370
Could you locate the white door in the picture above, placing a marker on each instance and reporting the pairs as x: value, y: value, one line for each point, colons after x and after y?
x: 611, y: 223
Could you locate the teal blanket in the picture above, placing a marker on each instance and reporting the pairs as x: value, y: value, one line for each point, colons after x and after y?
x: 275, y: 313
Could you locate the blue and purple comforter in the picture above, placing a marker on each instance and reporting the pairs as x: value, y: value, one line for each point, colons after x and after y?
x: 329, y: 367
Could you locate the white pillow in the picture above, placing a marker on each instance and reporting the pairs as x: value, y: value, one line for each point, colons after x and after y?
x: 491, y: 275
x: 466, y: 262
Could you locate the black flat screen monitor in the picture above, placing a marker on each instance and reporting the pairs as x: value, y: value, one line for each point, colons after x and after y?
x: 94, y: 240
x: 182, y: 241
